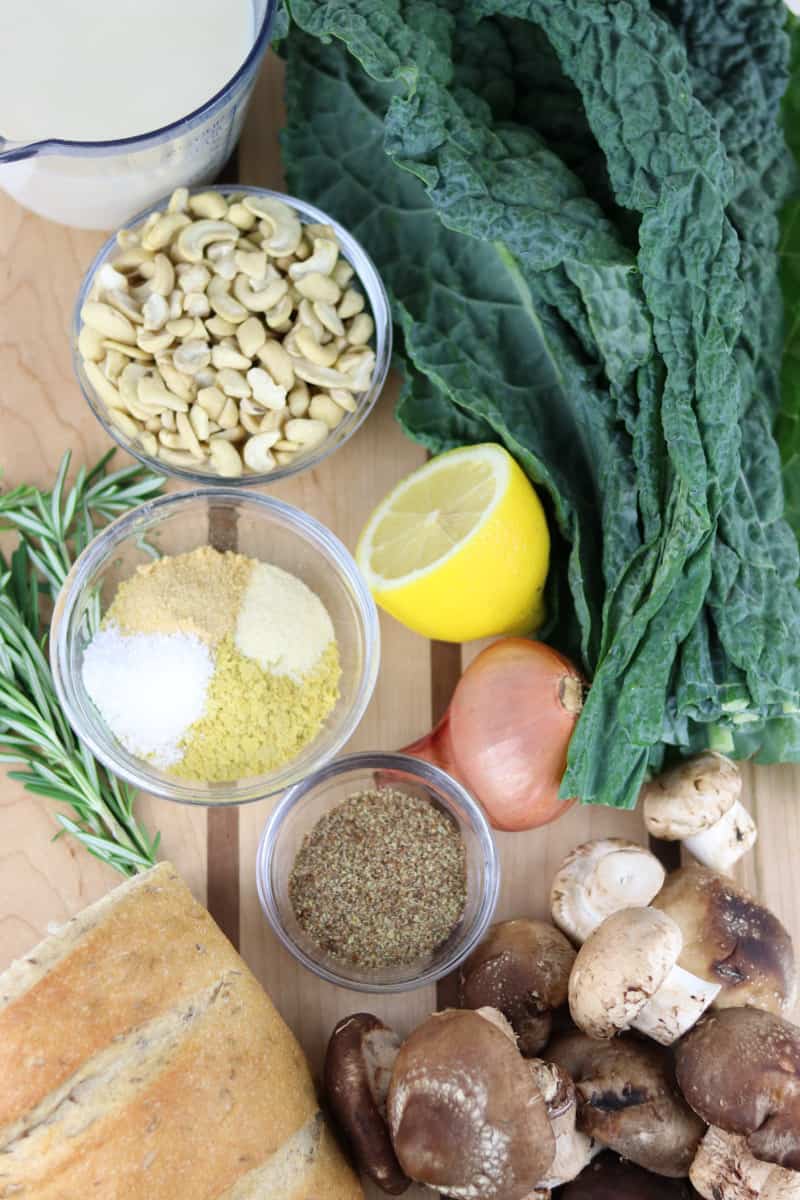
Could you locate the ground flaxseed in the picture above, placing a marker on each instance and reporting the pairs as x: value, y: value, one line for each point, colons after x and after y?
x: 380, y: 881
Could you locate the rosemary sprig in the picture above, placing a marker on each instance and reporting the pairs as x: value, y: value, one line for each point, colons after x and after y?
x: 53, y: 527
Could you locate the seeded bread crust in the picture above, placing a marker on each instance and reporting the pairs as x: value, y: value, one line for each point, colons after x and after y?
x: 140, y: 1059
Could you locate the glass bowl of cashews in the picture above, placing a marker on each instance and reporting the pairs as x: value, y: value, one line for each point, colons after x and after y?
x: 235, y: 334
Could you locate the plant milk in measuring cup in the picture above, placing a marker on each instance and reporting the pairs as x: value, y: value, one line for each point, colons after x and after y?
x: 107, y: 105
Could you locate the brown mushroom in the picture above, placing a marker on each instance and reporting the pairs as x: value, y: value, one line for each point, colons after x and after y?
x: 731, y: 939
x: 358, y: 1066
x: 740, y: 1071
x: 697, y: 802
x: 465, y: 1114
x: 522, y: 968
x: 613, y: 1179
x: 626, y: 976
x: 628, y: 1100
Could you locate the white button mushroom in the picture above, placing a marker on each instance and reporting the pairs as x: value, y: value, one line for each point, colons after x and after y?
x: 626, y: 977
x: 599, y: 878
x: 697, y: 803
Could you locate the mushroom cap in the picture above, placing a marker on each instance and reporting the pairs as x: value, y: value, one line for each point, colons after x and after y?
x: 620, y: 967
x: 465, y: 1114
x: 730, y: 939
x: 358, y: 1064
x: 522, y: 968
x: 599, y: 877
x: 609, y: 1178
x: 691, y: 796
x: 739, y: 1069
x: 629, y: 1101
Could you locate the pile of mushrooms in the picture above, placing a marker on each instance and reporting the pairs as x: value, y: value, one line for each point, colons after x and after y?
x: 646, y: 1022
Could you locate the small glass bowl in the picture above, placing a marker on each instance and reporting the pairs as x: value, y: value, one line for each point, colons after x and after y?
x: 298, y: 812
x: 378, y: 306
x: 254, y: 525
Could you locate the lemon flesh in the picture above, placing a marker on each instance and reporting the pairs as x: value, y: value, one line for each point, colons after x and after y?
x: 460, y: 548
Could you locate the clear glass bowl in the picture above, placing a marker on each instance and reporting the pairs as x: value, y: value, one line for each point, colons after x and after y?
x: 377, y: 300
x: 298, y: 812
x: 253, y: 525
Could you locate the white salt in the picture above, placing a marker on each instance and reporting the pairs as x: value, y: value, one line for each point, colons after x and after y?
x: 148, y: 687
x: 282, y: 625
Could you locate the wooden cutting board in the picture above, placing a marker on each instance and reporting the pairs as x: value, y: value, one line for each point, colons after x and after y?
x: 42, y: 413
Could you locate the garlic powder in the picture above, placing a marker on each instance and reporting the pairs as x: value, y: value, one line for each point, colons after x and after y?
x: 282, y: 625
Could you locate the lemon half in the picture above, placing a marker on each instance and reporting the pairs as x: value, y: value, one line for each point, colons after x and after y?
x: 460, y: 549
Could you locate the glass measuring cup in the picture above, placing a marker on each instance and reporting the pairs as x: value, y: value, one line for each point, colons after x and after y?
x: 99, y: 185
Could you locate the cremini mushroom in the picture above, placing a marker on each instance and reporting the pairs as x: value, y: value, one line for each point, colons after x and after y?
x: 574, y: 1150
x: 740, y: 1071
x: 698, y: 803
x: 521, y: 968
x: 731, y: 939
x: 465, y: 1114
x: 628, y: 1100
x: 626, y: 976
x: 611, y: 1178
x: 358, y: 1066
x: 597, y: 879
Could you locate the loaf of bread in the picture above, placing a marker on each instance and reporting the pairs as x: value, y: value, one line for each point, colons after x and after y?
x: 141, y: 1060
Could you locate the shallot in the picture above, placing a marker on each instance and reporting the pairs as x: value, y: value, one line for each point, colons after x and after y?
x: 506, y: 732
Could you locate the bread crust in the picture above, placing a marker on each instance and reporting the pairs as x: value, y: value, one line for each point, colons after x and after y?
x: 145, y: 1062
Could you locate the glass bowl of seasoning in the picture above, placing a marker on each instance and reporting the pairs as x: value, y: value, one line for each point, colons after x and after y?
x: 379, y: 872
x: 232, y: 336
x: 214, y: 646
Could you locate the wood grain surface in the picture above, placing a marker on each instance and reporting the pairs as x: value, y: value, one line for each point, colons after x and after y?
x: 42, y: 881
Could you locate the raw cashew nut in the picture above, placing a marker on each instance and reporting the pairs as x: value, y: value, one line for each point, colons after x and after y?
x: 108, y: 321
x: 286, y: 230
x: 265, y: 391
x: 322, y: 260
x: 257, y: 452
x: 208, y: 204
x: 260, y: 301
x: 224, y: 457
x: 193, y: 239
x: 192, y: 356
x: 251, y: 336
x: 223, y: 303
x: 163, y: 230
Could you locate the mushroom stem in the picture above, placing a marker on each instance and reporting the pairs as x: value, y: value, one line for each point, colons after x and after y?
x: 724, y: 1169
x: 676, y: 1006
x: 723, y: 844
x: 574, y: 1150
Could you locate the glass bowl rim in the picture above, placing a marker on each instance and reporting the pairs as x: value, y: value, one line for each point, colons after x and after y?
x: 428, y: 774
x: 376, y: 295
x: 100, y: 550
